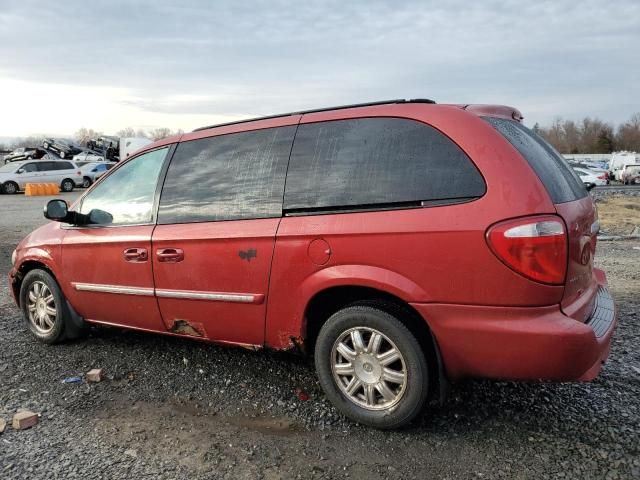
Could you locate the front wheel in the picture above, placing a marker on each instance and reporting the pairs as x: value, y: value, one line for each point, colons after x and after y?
x: 10, y: 188
x: 67, y: 185
x: 371, y: 367
x: 43, y: 306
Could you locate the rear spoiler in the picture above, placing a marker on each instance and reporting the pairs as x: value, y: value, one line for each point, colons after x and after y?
x: 501, y: 111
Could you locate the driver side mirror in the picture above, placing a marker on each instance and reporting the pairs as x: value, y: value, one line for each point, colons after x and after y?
x: 57, y: 210
x: 20, y: 171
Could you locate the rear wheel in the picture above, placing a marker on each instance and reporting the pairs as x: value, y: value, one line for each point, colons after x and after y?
x: 371, y: 367
x: 43, y: 306
x: 67, y: 185
x: 10, y: 187
x: 45, y: 145
x: 62, y: 154
x: 86, y: 182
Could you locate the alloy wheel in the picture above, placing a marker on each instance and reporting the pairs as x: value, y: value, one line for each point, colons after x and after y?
x: 41, y: 306
x: 368, y: 368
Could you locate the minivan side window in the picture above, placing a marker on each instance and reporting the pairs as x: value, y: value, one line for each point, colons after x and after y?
x: 126, y: 197
x: 227, y: 177
x: 30, y: 167
x: 367, y: 162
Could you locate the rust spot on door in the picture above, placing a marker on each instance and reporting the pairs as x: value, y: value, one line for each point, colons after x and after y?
x: 183, y: 327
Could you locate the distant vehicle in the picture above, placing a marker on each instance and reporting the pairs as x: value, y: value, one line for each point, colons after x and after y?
x: 128, y: 145
x: 63, y: 148
x: 591, y: 178
x: 94, y: 170
x: 109, y: 146
x: 587, y: 166
x: 25, y: 153
x: 593, y: 164
x: 15, y: 175
x: 619, y: 160
x: 88, y: 156
x: 630, y: 174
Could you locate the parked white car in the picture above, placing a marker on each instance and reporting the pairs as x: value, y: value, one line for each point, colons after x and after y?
x: 591, y: 178
x: 15, y: 175
x: 92, y: 171
x: 88, y: 157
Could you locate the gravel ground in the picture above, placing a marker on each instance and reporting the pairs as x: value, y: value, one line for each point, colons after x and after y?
x: 173, y: 408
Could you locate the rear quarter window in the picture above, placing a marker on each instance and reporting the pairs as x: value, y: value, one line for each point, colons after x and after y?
x: 559, y: 179
x: 365, y: 162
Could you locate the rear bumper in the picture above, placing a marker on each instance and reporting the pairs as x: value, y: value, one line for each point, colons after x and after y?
x: 522, y: 343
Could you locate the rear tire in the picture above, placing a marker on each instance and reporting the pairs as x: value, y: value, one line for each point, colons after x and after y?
x: 43, y: 306
x: 86, y: 182
x: 371, y: 367
x: 67, y: 185
x: 10, y: 188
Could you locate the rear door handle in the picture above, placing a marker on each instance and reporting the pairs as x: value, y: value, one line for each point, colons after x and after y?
x: 170, y: 255
x: 136, y: 255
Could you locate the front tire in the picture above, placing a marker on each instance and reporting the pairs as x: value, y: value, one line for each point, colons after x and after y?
x: 67, y: 185
x: 43, y: 306
x: 371, y: 367
x: 10, y: 188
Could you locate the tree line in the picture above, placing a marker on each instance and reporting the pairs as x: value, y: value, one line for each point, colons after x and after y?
x: 592, y: 135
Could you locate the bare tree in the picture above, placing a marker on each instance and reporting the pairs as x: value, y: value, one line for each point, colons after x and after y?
x: 126, y: 132
x: 85, y: 134
x: 160, y: 133
x: 628, y: 135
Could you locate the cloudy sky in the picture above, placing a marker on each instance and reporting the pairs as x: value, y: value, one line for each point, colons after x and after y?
x: 183, y: 64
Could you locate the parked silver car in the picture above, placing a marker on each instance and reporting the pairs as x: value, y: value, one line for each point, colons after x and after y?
x: 94, y: 170
x: 15, y: 175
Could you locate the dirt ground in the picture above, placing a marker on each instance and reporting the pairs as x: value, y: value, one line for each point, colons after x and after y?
x: 171, y: 408
x: 619, y: 215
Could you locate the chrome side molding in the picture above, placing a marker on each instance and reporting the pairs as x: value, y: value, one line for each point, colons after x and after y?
x: 181, y: 294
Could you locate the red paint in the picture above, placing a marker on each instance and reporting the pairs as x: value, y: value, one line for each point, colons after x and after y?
x: 488, y: 320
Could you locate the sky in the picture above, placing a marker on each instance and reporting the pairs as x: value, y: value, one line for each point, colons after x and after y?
x: 112, y: 64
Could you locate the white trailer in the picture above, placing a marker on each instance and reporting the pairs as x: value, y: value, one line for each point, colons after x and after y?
x: 619, y: 160
x: 128, y: 145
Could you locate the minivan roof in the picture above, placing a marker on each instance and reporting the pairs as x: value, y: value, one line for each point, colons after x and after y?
x: 502, y: 111
x: 478, y: 109
x: 325, y: 109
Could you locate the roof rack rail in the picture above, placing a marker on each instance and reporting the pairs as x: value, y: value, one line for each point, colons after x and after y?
x: 316, y: 110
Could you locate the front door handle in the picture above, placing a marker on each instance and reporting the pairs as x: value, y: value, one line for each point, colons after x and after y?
x: 136, y: 255
x: 170, y: 255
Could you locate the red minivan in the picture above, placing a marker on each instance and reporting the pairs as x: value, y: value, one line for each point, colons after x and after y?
x: 406, y: 244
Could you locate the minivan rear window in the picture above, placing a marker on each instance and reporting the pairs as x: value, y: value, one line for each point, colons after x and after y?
x: 561, y: 182
x: 376, y: 162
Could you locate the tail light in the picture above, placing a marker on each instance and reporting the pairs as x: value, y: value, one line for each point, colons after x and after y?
x: 603, y: 176
x: 535, y: 247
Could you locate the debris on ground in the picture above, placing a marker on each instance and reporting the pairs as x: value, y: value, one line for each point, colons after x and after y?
x: 72, y: 380
x: 302, y: 395
x: 94, y: 375
x: 24, y: 419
